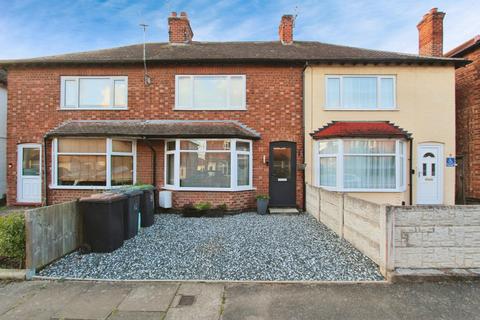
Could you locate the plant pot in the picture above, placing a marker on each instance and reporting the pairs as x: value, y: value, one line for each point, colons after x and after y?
x: 262, y: 206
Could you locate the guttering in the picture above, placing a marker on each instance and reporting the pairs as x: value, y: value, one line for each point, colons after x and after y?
x: 303, y: 135
x: 45, y: 184
x: 412, y: 172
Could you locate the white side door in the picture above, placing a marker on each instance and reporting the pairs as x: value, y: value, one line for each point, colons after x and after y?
x: 29, y: 173
x: 430, y: 174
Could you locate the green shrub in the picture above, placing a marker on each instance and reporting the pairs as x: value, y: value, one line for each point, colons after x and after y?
x: 222, y: 207
x: 12, y: 236
x: 262, y: 197
x: 203, y: 206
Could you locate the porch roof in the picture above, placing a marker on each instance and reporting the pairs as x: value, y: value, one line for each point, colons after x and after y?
x: 155, y: 129
x: 360, y: 129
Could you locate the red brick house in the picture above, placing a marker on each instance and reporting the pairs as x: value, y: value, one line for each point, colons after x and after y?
x: 211, y: 121
x: 467, y: 87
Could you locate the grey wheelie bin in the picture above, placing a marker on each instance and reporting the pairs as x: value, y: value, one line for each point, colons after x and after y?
x: 103, y: 221
x: 131, y: 211
x: 147, y: 204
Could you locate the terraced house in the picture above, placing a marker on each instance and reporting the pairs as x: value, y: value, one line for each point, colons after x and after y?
x: 224, y: 121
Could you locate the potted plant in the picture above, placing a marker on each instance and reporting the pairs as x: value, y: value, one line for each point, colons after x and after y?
x: 262, y: 203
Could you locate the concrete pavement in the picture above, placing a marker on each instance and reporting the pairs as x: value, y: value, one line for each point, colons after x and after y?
x: 231, y: 301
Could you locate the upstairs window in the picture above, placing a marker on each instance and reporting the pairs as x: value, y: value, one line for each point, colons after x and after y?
x: 360, y: 92
x: 218, y: 92
x: 94, y: 92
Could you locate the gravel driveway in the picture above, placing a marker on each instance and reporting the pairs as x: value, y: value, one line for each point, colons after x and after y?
x: 239, y: 247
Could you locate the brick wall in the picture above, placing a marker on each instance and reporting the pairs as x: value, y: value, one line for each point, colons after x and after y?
x: 467, y: 89
x: 274, y: 109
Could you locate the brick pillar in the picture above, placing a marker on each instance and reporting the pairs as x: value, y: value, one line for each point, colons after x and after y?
x: 285, y: 30
x: 179, y: 30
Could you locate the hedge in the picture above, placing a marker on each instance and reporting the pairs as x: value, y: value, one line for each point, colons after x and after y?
x: 12, y: 236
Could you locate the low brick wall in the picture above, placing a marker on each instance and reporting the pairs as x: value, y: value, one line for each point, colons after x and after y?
x: 436, y: 236
x: 51, y: 232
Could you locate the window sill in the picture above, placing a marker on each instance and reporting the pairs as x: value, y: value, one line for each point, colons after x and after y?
x: 208, y: 109
x: 358, y: 109
x: 172, y: 188
x: 53, y: 187
x: 363, y: 190
x: 93, y: 108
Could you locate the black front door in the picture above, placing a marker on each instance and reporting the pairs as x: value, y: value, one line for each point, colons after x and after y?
x: 282, y: 177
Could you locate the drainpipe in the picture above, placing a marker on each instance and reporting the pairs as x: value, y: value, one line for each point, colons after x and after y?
x: 303, y: 135
x: 154, y: 168
x: 412, y: 171
x: 45, y: 184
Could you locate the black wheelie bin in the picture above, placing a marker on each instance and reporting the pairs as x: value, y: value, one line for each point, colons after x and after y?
x: 147, y: 204
x: 103, y: 221
x: 131, y: 211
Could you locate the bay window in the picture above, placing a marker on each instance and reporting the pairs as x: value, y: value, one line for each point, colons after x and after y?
x: 361, y: 164
x: 363, y: 92
x: 210, y: 92
x: 94, y: 92
x: 208, y: 164
x: 83, y: 163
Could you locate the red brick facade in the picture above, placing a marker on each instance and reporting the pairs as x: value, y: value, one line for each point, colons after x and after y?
x: 274, y: 109
x: 467, y: 89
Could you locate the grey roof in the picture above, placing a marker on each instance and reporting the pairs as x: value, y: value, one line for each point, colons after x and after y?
x: 3, y: 77
x: 156, y: 129
x: 268, y: 52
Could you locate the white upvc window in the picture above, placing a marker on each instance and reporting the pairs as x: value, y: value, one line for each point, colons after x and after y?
x: 360, y: 92
x: 208, y: 164
x: 94, y: 92
x: 210, y: 92
x: 363, y: 165
x: 93, y: 163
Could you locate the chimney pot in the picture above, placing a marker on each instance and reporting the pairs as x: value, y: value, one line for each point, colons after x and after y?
x: 430, y: 33
x: 179, y: 29
x: 285, y: 30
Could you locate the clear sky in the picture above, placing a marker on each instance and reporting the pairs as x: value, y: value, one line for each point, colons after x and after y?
x: 36, y: 28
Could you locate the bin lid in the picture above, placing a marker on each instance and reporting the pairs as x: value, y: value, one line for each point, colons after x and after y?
x: 130, y: 191
x: 107, y: 197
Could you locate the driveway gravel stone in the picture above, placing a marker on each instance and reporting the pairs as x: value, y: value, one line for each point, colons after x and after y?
x: 237, y: 247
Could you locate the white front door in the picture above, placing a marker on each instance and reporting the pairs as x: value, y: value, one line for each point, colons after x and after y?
x: 29, y: 175
x: 430, y: 174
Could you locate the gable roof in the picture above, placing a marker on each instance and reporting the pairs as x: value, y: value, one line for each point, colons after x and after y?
x: 266, y: 52
x: 360, y: 129
x: 464, y: 48
x: 155, y: 129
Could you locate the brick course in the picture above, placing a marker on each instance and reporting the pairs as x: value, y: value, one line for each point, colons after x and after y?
x: 274, y: 109
x: 467, y: 89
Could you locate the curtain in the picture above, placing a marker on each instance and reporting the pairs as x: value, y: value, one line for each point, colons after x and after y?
x: 386, y: 93
x: 359, y: 92
x: 328, y: 171
x: 369, y: 172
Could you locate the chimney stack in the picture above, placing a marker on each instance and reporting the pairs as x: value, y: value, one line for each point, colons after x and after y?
x: 430, y: 34
x: 285, y: 30
x: 179, y: 30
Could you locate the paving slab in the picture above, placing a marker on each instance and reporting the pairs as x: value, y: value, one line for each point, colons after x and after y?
x: 207, y: 303
x: 149, y: 297
x: 136, y: 315
x: 14, y: 293
x: 46, y: 301
x: 361, y: 301
x: 97, y: 302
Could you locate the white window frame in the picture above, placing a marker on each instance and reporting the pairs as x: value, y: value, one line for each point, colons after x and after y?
x: 400, y: 161
x: 108, y: 154
x: 379, y: 88
x: 77, y: 79
x: 225, y: 108
x: 233, y: 166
